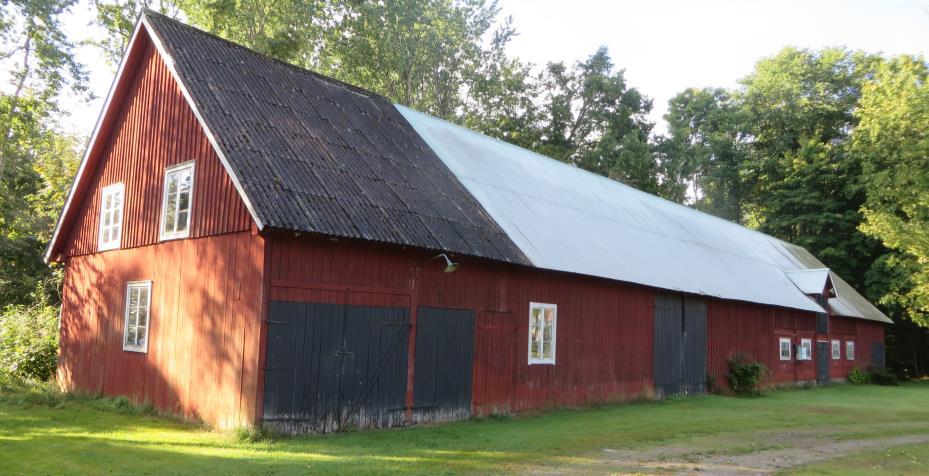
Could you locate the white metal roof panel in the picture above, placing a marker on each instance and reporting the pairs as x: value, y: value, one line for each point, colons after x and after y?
x: 567, y: 219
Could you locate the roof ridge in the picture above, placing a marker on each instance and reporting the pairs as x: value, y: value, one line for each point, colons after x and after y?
x: 148, y: 12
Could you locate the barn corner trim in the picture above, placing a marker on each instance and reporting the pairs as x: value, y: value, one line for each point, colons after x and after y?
x: 107, y: 113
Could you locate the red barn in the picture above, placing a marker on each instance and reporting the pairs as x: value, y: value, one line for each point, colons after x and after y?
x: 248, y: 242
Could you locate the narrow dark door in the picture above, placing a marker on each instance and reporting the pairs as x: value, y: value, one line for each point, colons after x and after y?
x: 444, y: 364
x: 332, y: 366
x: 694, y: 346
x: 823, y: 354
x: 680, y: 344
x: 877, y: 355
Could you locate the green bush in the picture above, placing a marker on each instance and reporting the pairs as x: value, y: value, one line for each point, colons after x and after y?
x: 858, y: 377
x: 745, y: 374
x: 28, y: 342
x: 880, y: 376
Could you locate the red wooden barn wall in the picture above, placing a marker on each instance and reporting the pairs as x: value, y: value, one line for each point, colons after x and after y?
x: 202, y: 359
x: 605, y: 329
x: 754, y: 329
x: 156, y: 129
x: 207, y: 292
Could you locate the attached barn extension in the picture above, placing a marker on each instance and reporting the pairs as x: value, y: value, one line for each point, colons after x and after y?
x: 250, y: 243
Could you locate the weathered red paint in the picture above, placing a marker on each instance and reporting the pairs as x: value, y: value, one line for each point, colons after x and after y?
x: 604, y: 328
x: 202, y: 359
x: 155, y: 129
x: 207, y: 292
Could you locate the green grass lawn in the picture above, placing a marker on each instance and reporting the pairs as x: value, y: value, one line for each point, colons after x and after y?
x: 53, y: 434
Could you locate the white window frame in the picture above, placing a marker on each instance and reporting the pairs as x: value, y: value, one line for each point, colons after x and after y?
x: 543, y: 360
x: 805, y: 350
x: 850, y: 350
x: 174, y: 235
x: 147, y: 286
x: 118, y: 189
x: 790, y: 348
x: 836, y: 349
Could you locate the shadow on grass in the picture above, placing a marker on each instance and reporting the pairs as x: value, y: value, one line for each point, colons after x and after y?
x: 85, y: 436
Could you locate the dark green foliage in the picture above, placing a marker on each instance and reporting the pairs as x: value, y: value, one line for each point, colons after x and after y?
x: 879, y: 376
x: 712, y: 385
x: 858, y: 377
x: 745, y: 374
x: 28, y: 342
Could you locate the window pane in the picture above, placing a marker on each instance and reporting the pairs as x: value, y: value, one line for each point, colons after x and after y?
x: 108, y: 201
x: 547, y: 335
x: 184, y: 200
x: 141, y: 336
x: 535, y: 350
x: 182, y: 221
x: 131, y: 335
x: 171, y: 203
x: 185, y: 180
x: 133, y: 306
x: 143, y: 307
x: 547, y: 350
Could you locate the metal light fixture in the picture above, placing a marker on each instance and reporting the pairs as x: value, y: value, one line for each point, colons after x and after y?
x: 450, y: 266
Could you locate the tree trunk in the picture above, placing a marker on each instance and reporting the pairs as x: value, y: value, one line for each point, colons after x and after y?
x: 14, y: 99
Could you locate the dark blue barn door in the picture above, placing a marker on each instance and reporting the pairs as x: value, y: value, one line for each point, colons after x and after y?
x: 680, y: 345
x: 332, y: 367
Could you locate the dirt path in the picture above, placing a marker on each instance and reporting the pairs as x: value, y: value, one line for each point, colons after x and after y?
x: 763, y: 453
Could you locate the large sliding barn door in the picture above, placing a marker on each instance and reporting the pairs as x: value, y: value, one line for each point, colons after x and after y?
x: 680, y: 345
x: 444, y: 364
x: 332, y: 366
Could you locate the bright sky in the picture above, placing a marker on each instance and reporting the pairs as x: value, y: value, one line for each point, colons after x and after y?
x: 665, y: 46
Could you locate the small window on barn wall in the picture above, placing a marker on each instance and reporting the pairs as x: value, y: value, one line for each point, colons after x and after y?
x: 136, y: 325
x: 850, y: 350
x: 111, y: 216
x: 836, y: 350
x: 805, y: 351
x: 178, y: 198
x: 542, y: 327
x: 786, y: 348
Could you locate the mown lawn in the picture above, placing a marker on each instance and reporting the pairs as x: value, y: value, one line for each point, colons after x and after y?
x: 42, y: 434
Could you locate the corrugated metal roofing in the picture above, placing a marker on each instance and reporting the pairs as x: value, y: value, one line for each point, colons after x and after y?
x: 317, y: 155
x: 564, y: 218
x: 810, y: 281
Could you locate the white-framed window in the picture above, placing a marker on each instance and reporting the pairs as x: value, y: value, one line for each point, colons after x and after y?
x: 138, y: 316
x: 786, y: 348
x: 111, y: 216
x: 836, y: 350
x: 805, y: 351
x: 543, y: 319
x: 178, y: 200
x: 850, y: 350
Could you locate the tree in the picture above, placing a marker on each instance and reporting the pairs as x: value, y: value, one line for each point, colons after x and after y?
x: 590, y: 118
x: 892, y: 141
x: 118, y: 20
x: 805, y: 186
x: 704, y: 151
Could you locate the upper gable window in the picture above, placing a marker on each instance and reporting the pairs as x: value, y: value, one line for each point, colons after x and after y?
x: 178, y: 197
x: 111, y: 216
x: 542, y: 326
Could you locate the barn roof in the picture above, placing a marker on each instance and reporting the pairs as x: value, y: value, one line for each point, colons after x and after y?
x: 312, y: 154
x: 567, y: 219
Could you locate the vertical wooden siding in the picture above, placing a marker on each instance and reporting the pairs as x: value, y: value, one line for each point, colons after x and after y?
x: 202, y: 359
x: 604, y: 349
x: 753, y: 329
x: 155, y: 129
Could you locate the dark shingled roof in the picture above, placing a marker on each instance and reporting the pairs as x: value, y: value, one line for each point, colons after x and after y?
x: 313, y: 154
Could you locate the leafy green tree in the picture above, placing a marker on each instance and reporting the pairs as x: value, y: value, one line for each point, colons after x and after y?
x: 118, y: 20
x: 591, y: 118
x: 806, y: 187
x: 892, y: 141
x: 704, y: 151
